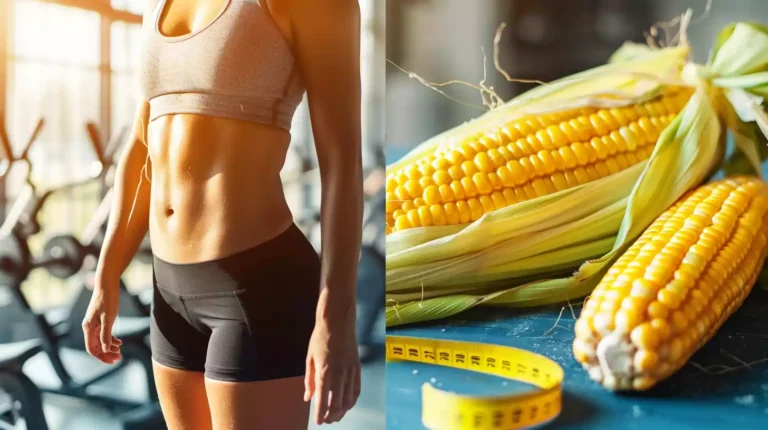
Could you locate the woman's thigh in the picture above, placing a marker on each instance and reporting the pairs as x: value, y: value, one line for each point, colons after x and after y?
x: 272, y: 404
x: 182, y: 398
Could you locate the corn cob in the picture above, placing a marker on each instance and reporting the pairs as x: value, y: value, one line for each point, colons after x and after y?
x: 675, y: 286
x: 529, y: 157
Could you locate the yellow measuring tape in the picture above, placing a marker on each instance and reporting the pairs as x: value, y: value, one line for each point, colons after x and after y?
x: 443, y: 410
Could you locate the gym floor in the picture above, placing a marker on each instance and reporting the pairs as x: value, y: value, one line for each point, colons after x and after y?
x: 64, y: 413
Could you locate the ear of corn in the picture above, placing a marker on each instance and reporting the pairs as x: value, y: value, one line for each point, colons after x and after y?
x: 516, y: 255
x: 582, y: 214
x: 530, y: 157
x: 671, y: 291
x: 601, y: 86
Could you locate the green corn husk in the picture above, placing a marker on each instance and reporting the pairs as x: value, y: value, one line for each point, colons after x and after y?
x: 522, y: 255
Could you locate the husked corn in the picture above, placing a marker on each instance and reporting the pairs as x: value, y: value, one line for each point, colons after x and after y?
x: 526, y: 158
x: 675, y: 286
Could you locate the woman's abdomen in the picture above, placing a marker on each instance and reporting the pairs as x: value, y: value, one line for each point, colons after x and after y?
x: 216, y: 186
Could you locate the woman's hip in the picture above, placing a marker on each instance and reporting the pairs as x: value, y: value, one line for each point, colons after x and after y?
x: 244, y: 317
x: 286, y: 260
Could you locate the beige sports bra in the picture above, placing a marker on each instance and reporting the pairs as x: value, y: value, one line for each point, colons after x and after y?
x: 238, y: 66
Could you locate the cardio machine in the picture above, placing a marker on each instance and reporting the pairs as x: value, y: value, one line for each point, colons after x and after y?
x: 60, y: 345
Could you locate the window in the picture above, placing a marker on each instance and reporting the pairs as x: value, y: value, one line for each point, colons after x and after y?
x: 54, y: 71
x: 125, y: 50
x: 53, y: 74
x: 132, y: 6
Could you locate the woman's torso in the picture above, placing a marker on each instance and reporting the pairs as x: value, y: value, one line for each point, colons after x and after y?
x: 216, y: 187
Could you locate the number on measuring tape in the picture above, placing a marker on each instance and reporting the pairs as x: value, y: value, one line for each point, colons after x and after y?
x: 475, y: 360
x: 428, y: 354
x: 413, y: 352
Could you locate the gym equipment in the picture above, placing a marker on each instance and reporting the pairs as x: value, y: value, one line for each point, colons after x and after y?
x: 23, y: 397
x: 65, y: 251
x: 66, y: 256
x: 92, y: 238
x: 60, y: 341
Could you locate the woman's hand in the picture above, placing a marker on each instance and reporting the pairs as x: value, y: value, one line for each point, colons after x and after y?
x: 333, y: 367
x: 97, y: 324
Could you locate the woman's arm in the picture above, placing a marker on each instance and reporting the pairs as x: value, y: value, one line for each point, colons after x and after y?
x: 128, y: 224
x: 129, y: 218
x: 326, y: 38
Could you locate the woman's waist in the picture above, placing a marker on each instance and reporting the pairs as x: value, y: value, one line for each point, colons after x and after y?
x: 216, y: 186
x: 215, y: 203
x: 203, y: 225
x: 269, y: 263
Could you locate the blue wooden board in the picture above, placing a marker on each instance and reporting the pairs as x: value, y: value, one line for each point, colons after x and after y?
x: 691, y: 399
x: 728, y: 395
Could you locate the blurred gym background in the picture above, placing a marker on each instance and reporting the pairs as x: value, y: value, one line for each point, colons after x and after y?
x: 67, y: 94
x: 441, y: 40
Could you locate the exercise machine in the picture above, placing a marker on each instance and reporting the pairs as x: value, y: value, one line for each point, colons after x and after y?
x: 20, y: 399
x: 60, y: 342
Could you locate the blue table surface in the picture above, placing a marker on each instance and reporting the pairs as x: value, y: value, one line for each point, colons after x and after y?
x: 732, y: 397
x: 726, y: 395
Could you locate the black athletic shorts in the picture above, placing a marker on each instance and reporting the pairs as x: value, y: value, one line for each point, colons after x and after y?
x: 245, y: 317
